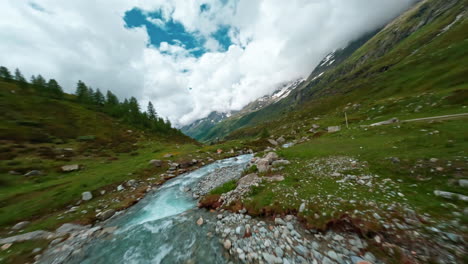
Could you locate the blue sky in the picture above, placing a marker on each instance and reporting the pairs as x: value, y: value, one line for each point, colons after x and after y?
x: 161, y: 29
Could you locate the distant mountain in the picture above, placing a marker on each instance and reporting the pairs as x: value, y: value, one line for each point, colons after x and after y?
x: 270, y: 106
x: 336, y: 57
x: 201, y: 127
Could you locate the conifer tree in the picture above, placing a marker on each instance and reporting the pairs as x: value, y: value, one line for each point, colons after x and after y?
x: 5, y: 73
x: 54, y: 89
x: 99, y: 98
x: 152, y: 115
x: 82, y: 92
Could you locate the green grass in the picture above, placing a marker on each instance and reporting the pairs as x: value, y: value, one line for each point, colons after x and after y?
x: 415, y: 175
x: 226, y: 187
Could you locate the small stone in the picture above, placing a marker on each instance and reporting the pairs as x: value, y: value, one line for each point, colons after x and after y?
x: 301, y: 250
x: 369, y: 257
x: 6, y: 246
x: 279, y: 252
x: 200, y: 221
x: 20, y: 225
x: 69, y: 168
x: 279, y: 221
x: 433, y: 160
x: 86, y: 196
x: 463, y: 182
x: 377, y: 239
x: 155, y: 163
x: 302, y: 207
x: 227, y: 244
x: 106, y: 214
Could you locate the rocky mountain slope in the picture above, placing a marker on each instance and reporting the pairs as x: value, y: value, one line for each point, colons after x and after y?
x: 201, y: 127
x: 377, y: 65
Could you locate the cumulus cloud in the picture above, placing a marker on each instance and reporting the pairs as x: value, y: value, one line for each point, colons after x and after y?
x: 271, y: 41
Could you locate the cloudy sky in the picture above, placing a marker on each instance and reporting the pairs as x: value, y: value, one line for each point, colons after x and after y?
x: 189, y: 57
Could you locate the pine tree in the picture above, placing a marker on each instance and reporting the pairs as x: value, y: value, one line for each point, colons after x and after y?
x: 152, y: 115
x: 82, y: 92
x: 19, y: 76
x: 20, y: 79
x: 5, y: 74
x: 54, y: 89
x: 111, y: 99
x: 39, y: 83
x: 99, y: 98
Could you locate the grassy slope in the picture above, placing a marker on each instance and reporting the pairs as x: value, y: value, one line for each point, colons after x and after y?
x: 384, y: 67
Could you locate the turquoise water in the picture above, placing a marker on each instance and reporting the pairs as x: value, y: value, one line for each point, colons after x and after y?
x: 162, y: 227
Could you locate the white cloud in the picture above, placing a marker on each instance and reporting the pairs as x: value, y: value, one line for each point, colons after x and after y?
x: 273, y: 41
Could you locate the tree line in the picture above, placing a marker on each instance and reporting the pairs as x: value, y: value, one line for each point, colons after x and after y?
x: 127, y: 110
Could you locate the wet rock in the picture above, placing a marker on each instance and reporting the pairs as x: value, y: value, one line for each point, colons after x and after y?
x: 86, y: 196
x: 200, y: 221
x: 70, y: 168
x: 281, y: 140
x: 105, y: 215
x: 120, y: 188
x: 20, y: 225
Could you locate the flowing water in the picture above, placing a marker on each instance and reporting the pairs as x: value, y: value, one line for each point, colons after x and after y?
x: 162, y: 227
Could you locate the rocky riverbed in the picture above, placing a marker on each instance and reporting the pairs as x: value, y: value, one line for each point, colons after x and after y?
x: 284, y: 240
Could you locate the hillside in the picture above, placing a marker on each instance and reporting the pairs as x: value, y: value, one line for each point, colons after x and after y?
x: 389, y: 63
x: 41, y: 134
x: 202, y: 127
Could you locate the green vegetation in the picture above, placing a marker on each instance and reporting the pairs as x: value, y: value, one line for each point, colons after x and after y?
x: 228, y: 186
x: 418, y: 63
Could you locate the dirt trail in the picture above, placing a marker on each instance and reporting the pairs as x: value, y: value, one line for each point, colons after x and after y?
x: 444, y: 117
